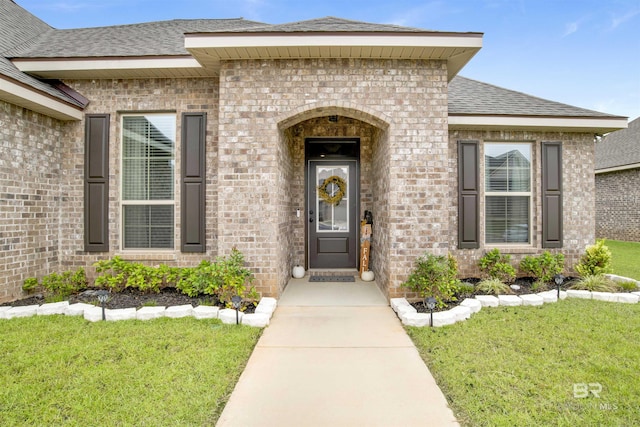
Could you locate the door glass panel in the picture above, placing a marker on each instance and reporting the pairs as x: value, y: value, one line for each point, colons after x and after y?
x: 332, y: 218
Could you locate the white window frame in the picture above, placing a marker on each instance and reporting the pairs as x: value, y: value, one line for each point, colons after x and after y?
x: 528, y: 194
x: 124, y: 203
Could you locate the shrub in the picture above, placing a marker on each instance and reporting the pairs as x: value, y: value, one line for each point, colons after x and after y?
x: 30, y: 284
x: 434, y: 276
x: 492, y: 287
x: 596, y: 283
x: 497, y: 266
x: 596, y: 260
x: 118, y: 274
x: 224, y: 278
x: 65, y: 284
x: 543, y: 267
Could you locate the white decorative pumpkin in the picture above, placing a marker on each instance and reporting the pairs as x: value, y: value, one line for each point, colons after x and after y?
x: 368, y: 276
x: 298, y: 272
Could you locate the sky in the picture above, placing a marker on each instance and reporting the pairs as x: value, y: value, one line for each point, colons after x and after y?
x: 584, y: 53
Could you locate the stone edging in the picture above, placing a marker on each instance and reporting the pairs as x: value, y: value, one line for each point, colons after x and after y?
x: 260, y: 318
x: 410, y: 317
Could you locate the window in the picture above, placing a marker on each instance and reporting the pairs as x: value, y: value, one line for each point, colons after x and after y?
x: 148, y: 159
x: 507, y: 172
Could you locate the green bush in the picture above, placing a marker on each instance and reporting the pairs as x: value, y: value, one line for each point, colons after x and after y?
x: 30, y: 284
x: 492, y: 287
x: 223, y: 279
x: 117, y: 274
x: 596, y: 283
x: 434, y: 276
x: 596, y: 260
x: 543, y: 267
x: 65, y: 284
x: 497, y: 266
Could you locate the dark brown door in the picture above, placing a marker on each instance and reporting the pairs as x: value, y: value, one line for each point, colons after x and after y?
x: 332, y: 228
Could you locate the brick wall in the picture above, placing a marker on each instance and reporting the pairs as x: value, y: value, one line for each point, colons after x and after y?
x: 407, y: 100
x: 30, y: 197
x: 578, y: 196
x: 618, y: 205
x: 117, y: 97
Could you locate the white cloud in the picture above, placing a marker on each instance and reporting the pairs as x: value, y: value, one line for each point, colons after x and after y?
x: 570, y: 28
x: 618, y: 20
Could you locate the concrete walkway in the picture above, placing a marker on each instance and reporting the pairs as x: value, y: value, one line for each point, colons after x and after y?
x: 335, y: 354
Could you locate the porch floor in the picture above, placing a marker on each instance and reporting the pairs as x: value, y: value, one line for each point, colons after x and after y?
x: 335, y: 354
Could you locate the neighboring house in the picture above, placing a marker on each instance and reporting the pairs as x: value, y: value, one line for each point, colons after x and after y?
x: 618, y: 184
x: 170, y: 142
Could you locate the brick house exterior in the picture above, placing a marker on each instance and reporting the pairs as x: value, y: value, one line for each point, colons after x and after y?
x: 618, y: 184
x: 246, y: 103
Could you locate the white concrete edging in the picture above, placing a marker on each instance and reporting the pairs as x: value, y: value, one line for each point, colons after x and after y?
x: 410, y: 317
x: 260, y: 318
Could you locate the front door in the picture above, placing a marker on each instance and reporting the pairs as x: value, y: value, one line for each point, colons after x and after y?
x: 333, y: 219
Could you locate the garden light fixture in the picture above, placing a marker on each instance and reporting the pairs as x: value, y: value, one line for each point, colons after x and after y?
x: 558, y: 278
x: 103, y: 296
x: 236, y: 301
x: 430, y: 303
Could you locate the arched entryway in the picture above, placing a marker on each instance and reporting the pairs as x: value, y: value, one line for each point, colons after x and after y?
x: 333, y: 141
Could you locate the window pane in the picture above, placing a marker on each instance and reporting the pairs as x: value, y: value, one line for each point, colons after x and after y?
x: 507, y: 219
x: 508, y: 167
x: 148, y: 144
x: 332, y: 218
x: 148, y: 226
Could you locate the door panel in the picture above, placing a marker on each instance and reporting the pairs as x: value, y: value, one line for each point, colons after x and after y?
x: 332, y: 228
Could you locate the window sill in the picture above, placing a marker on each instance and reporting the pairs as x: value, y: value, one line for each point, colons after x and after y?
x: 518, y: 249
x: 145, y: 255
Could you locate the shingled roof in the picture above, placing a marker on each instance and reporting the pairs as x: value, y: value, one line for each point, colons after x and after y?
x: 620, y: 148
x: 471, y: 97
x: 163, y: 38
x: 19, y: 27
x: 25, y: 37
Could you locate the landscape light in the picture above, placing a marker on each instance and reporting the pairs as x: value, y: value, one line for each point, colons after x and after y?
x: 236, y: 300
x: 430, y: 303
x: 103, y: 296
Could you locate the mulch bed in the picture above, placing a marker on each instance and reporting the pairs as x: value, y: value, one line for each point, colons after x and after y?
x: 524, y: 285
x: 131, y: 298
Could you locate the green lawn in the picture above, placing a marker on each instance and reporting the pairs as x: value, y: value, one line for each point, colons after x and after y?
x: 57, y: 370
x: 625, y: 258
x: 530, y: 366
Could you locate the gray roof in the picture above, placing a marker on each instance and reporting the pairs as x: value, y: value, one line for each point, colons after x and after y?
x: 619, y: 148
x: 22, y: 35
x: 17, y: 26
x: 164, y: 38
x: 471, y: 97
x: 331, y: 24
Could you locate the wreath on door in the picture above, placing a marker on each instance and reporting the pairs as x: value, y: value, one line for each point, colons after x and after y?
x: 338, y: 195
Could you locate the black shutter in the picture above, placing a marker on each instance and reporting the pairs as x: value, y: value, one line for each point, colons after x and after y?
x: 552, y: 194
x: 193, y: 182
x: 468, y: 195
x: 96, y: 183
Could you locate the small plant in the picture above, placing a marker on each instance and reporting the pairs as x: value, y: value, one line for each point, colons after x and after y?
x: 435, y: 276
x: 150, y: 303
x: 628, y: 286
x: 65, y: 284
x: 30, y: 284
x: 596, y: 260
x: 118, y: 274
x: 223, y: 279
x: 497, y: 266
x: 492, y: 287
x: 596, y: 283
x: 466, y: 288
x: 543, y: 267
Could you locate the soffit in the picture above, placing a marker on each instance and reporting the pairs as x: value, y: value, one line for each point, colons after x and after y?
x: 454, y: 48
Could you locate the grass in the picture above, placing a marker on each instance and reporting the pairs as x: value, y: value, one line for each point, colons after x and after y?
x: 520, y: 366
x: 625, y: 256
x: 59, y: 371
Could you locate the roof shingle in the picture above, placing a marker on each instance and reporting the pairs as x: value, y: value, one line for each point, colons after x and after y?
x: 619, y: 148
